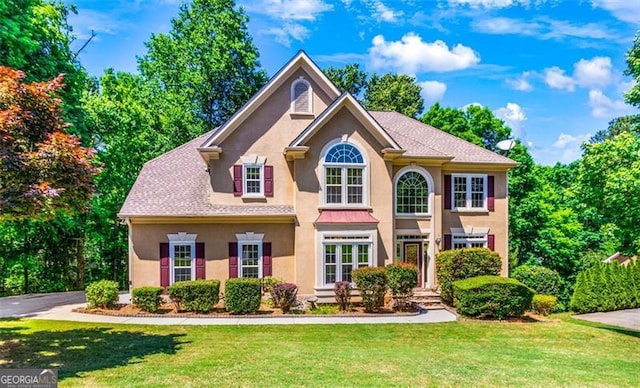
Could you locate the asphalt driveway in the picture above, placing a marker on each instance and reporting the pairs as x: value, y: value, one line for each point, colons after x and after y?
x: 26, y: 305
x: 629, y: 319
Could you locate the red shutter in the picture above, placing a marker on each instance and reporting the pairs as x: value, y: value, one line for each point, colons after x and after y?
x: 447, y: 191
x: 491, y: 202
x: 447, y: 242
x: 233, y: 260
x: 164, y: 265
x: 237, y: 180
x: 491, y: 242
x: 266, y: 259
x: 200, y: 261
x: 268, y: 181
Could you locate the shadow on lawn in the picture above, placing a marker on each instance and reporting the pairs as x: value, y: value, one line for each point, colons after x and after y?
x: 80, y: 350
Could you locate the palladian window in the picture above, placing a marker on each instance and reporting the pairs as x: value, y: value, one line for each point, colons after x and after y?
x: 344, y: 176
x: 412, y: 194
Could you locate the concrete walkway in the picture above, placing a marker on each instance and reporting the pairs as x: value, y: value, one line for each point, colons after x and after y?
x: 65, y: 313
x: 629, y: 319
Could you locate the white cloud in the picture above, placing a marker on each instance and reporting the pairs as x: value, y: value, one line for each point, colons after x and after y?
x: 87, y: 20
x: 521, y: 83
x: 488, y: 3
x: 514, y: 117
x: 411, y: 55
x: 569, y: 146
x: 287, y: 32
x: 555, y: 78
x: 625, y: 10
x: 502, y: 25
x: 603, y: 107
x: 308, y: 10
x: 624, y: 86
x: 432, y: 91
x: 594, y: 72
x: 384, y: 13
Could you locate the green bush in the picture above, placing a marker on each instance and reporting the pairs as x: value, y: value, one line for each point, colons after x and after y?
x: 541, y: 279
x: 269, y: 282
x: 147, y: 298
x: 543, y: 304
x: 458, y: 264
x: 372, y: 283
x: 196, y: 295
x: 242, y: 295
x: 402, y: 278
x: 285, y: 296
x: 342, y: 291
x: 492, y: 296
x: 607, y: 287
x: 102, y: 294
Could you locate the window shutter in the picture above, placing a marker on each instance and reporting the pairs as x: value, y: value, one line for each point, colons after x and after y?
x: 491, y: 202
x: 447, y: 191
x: 268, y: 181
x: 237, y: 180
x: 447, y: 242
x: 233, y: 260
x: 266, y: 259
x: 200, y: 261
x: 164, y: 265
x: 491, y: 242
x: 301, y: 97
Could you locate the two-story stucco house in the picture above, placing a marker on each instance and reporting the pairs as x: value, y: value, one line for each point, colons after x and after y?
x: 305, y: 184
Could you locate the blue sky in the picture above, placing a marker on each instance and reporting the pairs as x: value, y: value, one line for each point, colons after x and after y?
x: 553, y: 70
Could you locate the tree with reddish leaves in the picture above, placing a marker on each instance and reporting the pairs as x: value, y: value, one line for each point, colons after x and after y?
x: 43, y: 170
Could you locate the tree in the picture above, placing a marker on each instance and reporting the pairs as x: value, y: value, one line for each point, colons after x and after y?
x: 633, y: 69
x: 396, y: 92
x: 617, y: 126
x: 43, y: 170
x: 207, y: 64
x: 348, y: 79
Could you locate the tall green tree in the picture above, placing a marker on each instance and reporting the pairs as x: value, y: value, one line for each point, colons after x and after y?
x: 633, y: 69
x: 396, y: 92
x: 348, y: 79
x: 207, y: 64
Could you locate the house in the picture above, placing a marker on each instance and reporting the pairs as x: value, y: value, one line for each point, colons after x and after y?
x: 305, y: 184
x: 620, y: 259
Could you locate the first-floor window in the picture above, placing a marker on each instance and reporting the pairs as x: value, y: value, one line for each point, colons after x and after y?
x: 250, y: 257
x: 344, y: 254
x: 460, y: 241
x: 182, y: 262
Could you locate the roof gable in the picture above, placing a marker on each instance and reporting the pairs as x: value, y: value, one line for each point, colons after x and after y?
x: 300, y: 60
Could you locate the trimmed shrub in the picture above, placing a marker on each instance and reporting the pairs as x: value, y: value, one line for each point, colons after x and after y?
x: 242, y: 295
x: 372, y: 283
x: 492, y: 296
x: 541, y: 279
x: 284, y: 295
x: 543, y: 304
x: 402, y: 278
x: 195, y: 295
x: 607, y: 287
x: 147, y: 298
x: 458, y: 264
x: 343, y: 294
x: 102, y: 294
x: 269, y: 282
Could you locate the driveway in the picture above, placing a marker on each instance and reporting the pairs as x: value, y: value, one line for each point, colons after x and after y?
x: 629, y: 319
x: 26, y: 305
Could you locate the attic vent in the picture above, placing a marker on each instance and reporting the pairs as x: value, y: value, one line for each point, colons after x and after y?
x: 301, y: 96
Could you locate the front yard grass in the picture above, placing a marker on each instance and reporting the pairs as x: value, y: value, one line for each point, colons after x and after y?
x: 467, y: 353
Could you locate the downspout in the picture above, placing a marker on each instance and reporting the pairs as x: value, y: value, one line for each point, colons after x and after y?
x: 130, y: 243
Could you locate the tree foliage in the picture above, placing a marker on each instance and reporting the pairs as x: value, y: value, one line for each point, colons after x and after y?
x: 349, y: 78
x: 633, y: 69
x: 43, y: 169
x: 396, y: 92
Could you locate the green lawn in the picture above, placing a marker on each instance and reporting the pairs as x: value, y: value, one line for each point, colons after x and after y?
x: 566, y: 352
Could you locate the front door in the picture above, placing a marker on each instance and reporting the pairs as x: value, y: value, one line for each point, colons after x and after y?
x: 413, y: 255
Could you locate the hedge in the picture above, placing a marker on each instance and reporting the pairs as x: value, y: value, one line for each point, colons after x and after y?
x: 147, y: 298
x: 541, y: 279
x: 543, y: 304
x: 458, y: 264
x: 492, y: 296
x: 242, y: 295
x: 607, y: 287
x: 195, y: 295
x: 102, y: 294
x: 402, y: 278
x: 372, y: 284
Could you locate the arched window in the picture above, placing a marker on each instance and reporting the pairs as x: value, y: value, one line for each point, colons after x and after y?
x: 301, y: 96
x: 412, y: 193
x: 344, y: 178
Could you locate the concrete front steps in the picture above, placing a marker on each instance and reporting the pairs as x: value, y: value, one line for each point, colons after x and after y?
x: 426, y: 299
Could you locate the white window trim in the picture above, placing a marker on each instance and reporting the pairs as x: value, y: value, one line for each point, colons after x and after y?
x: 365, y: 176
x: 253, y: 161
x: 354, y: 237
x: 469, y: 239
x: 181, y: 239
x: 293, y: 95
x: 250, y: 238
x: 430, y: 183
x: 468, y: 208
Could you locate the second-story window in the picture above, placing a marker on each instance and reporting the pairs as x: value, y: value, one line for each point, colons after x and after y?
x: 469, y: 191
x: 253, y: 178
x: 344, y: 176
